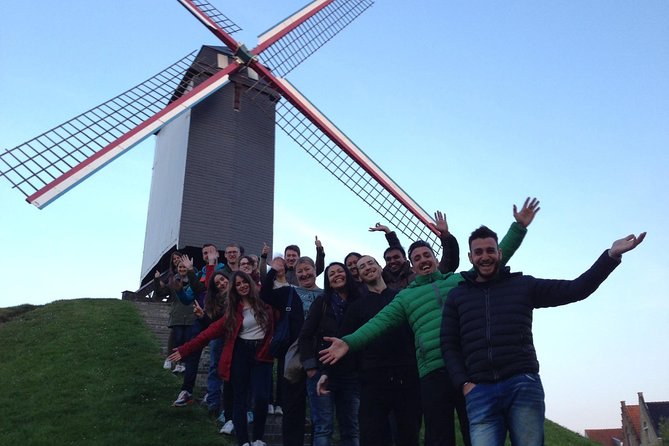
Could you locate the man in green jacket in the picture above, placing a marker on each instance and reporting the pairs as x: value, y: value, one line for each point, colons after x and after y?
x: 420, y: 304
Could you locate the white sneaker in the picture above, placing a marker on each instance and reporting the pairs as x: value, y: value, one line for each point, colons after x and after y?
x: 184, y: 399
x: 180, y: 368
x: 278, y: 410
x: 227, y: 428
x: 258, y: 443
x: 270, y: 409
x: 167, y: 364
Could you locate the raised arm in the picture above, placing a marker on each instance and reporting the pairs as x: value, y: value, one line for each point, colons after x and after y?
x: 391, y: 236
x: 320, y: 257
x: 450, y: 250
x: 516, y: 233
x: 262, y: 265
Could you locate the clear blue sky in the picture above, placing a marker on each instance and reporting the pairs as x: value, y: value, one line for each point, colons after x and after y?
x: 469, y: 106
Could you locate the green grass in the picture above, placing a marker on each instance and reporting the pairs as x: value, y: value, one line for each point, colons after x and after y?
x: 10, y: 313
x: 88, y: 372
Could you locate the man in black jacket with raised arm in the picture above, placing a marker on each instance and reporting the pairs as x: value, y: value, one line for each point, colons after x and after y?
x: 486, y: 338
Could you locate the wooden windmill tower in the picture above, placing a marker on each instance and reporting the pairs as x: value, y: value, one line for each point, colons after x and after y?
x: 214, y: 114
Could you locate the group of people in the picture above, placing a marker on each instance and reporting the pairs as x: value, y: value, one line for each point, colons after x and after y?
x: 383, y: 349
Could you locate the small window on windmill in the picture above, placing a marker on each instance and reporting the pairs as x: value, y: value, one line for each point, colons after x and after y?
x: 252, y: 74
x: 222, y: 60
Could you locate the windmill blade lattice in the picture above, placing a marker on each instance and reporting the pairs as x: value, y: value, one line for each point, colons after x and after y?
x: 215, y: 15
x: 292, y: 48
x: 353, y: 175
x: 34, y: 164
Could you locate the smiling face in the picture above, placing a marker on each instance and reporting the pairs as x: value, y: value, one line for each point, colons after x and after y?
x: 182, y: 270
x: 291, y: 258
x: 485, y: 256
x: 336, y: 276
x: 423, y: 261
x: 242, y: 286
x: 232, y: 255
x: 176, y: 258
x: 395, y: 260
x: 306, y: 275
x: 352, y: 266
x: 221, y: 283
x: 369, y: 269
x: 245, y: 265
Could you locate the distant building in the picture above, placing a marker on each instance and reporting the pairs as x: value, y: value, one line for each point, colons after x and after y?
x: 605, y: 437
x: 641, y: 424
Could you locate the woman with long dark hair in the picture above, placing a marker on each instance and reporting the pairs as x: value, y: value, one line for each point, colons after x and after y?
x: 324, y: 319
x: 246, y: 326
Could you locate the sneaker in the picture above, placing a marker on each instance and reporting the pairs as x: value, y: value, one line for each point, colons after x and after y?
x: 221, y: 417
x: 258, y: 443
x: 167, y: 364
x: 184, y: 399
x: 249, y: 416
x: 278, y: 410
x: 227, y: 428
x: 270, y: 409
x: 179, y: 368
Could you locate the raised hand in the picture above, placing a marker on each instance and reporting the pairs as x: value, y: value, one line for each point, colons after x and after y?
x: 318, y: 243
x: 527, y: 213
x: 625, y: 244
x: 379, y: 227
x: 265, y: 249
x: 188, y: 262
x: 335, y: 352
x: 197, y: 309
x: 157, y: 275
x: 440, y: 223
x: 278, y: 265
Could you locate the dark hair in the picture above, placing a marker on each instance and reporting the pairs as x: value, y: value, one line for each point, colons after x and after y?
x: 483, y: 232
x: 292, y: 248
x: 419, y: 244
x: 394, y: 248
x: 351, y: 254
x: 234, y: 299
x: 209, y: 244
x: 173, y: 269
x: 216, y: 301
x: 350, y: 287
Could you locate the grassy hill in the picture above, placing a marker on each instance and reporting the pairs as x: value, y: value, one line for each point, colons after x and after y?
x: 88, y: 372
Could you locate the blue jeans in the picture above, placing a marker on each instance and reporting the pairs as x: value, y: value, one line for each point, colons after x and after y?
x: 214, y: 382
x: 344, y: 398
x: 515, y: 405
x: 249, y: 377
x: 192, y: 361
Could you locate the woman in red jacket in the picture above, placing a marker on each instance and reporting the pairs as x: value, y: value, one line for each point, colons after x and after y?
x: 247, y: 327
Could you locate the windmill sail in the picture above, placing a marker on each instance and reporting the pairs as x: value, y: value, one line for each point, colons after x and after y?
x: 48, y: 165
x: 52, y: 163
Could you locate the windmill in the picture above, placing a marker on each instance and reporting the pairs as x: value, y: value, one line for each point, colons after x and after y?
x: 52, y: 163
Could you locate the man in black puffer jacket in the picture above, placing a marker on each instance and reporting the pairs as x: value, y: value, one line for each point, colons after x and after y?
x: 486, y: 338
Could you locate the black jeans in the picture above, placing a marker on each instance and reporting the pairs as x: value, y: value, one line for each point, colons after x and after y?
x: 440, y: 400
x: 294, y: 410
x: 387, y: 392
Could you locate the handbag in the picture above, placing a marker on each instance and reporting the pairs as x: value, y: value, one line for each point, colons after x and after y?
x: 292, y: 367
x: 281, y: 338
